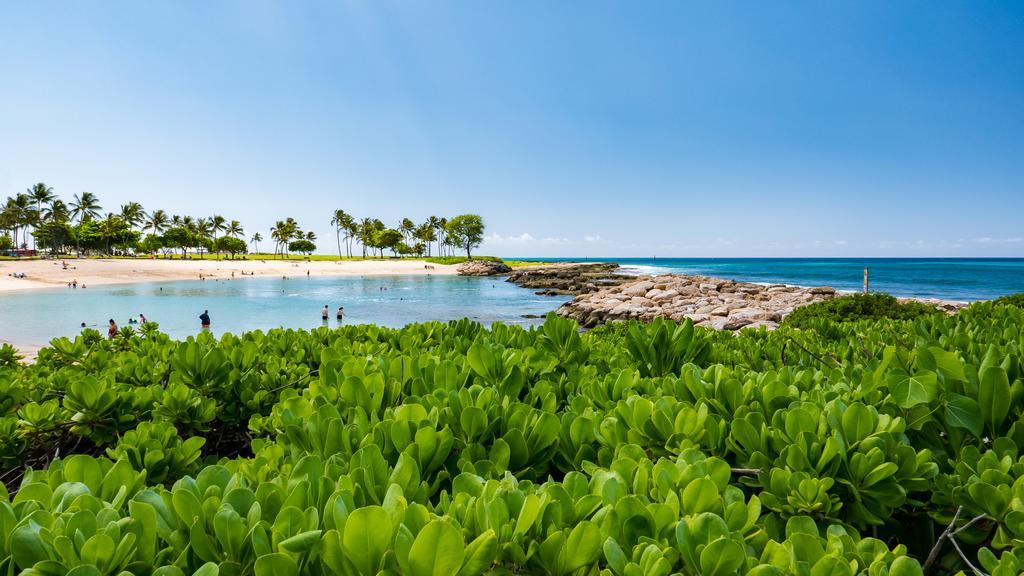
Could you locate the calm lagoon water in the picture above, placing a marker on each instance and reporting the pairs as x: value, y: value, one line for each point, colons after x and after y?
x: 948, y: 278
x: 242, y: 304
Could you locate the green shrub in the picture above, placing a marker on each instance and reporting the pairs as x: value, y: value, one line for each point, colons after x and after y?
x: 1011, y: 300
x: 855, y: 307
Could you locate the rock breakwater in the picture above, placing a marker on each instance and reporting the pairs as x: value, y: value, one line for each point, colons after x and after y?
x: 569, y: 278
x: 707, y: 301
x: 482, y: 268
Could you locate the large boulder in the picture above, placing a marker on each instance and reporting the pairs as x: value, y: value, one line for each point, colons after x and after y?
x: 482, y: 268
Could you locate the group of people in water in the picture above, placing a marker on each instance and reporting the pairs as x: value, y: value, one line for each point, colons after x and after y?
x: 112, y: 330
x: 204, y: 320
x: 325, y: 314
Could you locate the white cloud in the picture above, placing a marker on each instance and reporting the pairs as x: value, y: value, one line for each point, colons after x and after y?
x: 558, y: 241
x: 990, y: 240
x: 592, y: 238
x: 496, y: 238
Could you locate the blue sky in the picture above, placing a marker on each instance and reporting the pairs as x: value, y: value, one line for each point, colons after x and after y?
x: 574, y: 128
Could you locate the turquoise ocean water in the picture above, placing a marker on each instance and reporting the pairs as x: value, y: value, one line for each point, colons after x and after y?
x: 261, y: 303
x: 34, y: 317
x: 947, y: 278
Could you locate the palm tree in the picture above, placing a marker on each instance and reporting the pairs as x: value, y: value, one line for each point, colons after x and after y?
x: 110, y: 226
x: 85, y: 207
x: 176, y: 221
x: 234, y: 229
x: 19, y: 215
x: 366, y: 231
x: 217, y: 224
x: 132, y: 214
x: 407, y: 227
x: 202, y: 229
x: 255, y: 241
x: 41, y: 194
x: 157, y: 222
x: 56, y: 213
x: 426, y: 233
x: 442, y: 238
x: 338, y: 221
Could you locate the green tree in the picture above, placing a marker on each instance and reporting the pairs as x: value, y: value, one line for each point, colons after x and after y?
x: 466, y: 231
x: 156, y: 222
x: 179, y: 237
x: 84, y: 207
x: 230, y: 244
x: 388, y: 238
x: 426, y: 233
x: 133, y: 214
x: 342, y: 222
x: 234, y: 229
x: 303, y: 245
x: 151, y: 244
x: 40, y: 194
x: 255, y: 241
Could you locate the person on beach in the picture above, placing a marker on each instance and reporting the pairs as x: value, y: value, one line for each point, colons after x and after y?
x: 204, y: 320
x: 341, y: 313
x: 112, y: 329
x: 142, y: 318
x: 324, y: 313
x: 74, y: 283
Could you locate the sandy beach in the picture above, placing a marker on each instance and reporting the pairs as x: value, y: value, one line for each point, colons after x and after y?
x: 96, y: 272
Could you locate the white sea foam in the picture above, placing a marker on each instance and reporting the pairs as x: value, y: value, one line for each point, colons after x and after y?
x: 640, y: 269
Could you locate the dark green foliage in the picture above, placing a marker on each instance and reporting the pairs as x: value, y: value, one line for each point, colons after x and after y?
x: 462, y: 449
x: 662, y: 348
x: 1010, y: 300
x: 874, y: 306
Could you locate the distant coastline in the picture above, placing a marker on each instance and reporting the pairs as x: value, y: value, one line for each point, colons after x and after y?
x: 45, y: 274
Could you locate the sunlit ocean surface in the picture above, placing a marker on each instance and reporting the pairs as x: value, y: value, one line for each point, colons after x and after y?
x: 261, y: 303
x: 948, y: 278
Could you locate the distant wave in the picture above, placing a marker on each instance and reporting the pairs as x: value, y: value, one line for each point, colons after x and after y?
x: 640, y: 269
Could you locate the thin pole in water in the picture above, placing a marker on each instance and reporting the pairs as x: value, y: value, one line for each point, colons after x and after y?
x: 865, y: 279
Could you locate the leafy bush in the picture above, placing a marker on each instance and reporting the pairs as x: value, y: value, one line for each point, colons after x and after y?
x: 1010, y: 300
x: 457, y: 449
x: 854, y: 307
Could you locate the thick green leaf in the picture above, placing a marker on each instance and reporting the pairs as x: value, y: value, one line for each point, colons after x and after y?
x: 276, y: 564
x: 963, y: 412
x: 919, y: 388
x: 437, y: 551
x: 367, y: 536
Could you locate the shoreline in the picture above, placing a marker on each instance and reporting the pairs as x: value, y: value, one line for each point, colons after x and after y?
x: 49, y: 274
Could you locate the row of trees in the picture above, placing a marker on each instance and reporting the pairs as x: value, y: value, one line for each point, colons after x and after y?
x: 463, y: 232
x: 81, y: 225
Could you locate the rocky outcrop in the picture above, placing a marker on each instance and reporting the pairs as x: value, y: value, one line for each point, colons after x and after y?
x: 569, y: 278
x: 482, y: 268
x: 714, y: 302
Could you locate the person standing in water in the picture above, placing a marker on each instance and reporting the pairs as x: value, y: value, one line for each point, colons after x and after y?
x: 324, y: 313
x: 112, y: 329
x: 340, y: 314
x: 204, y: 319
